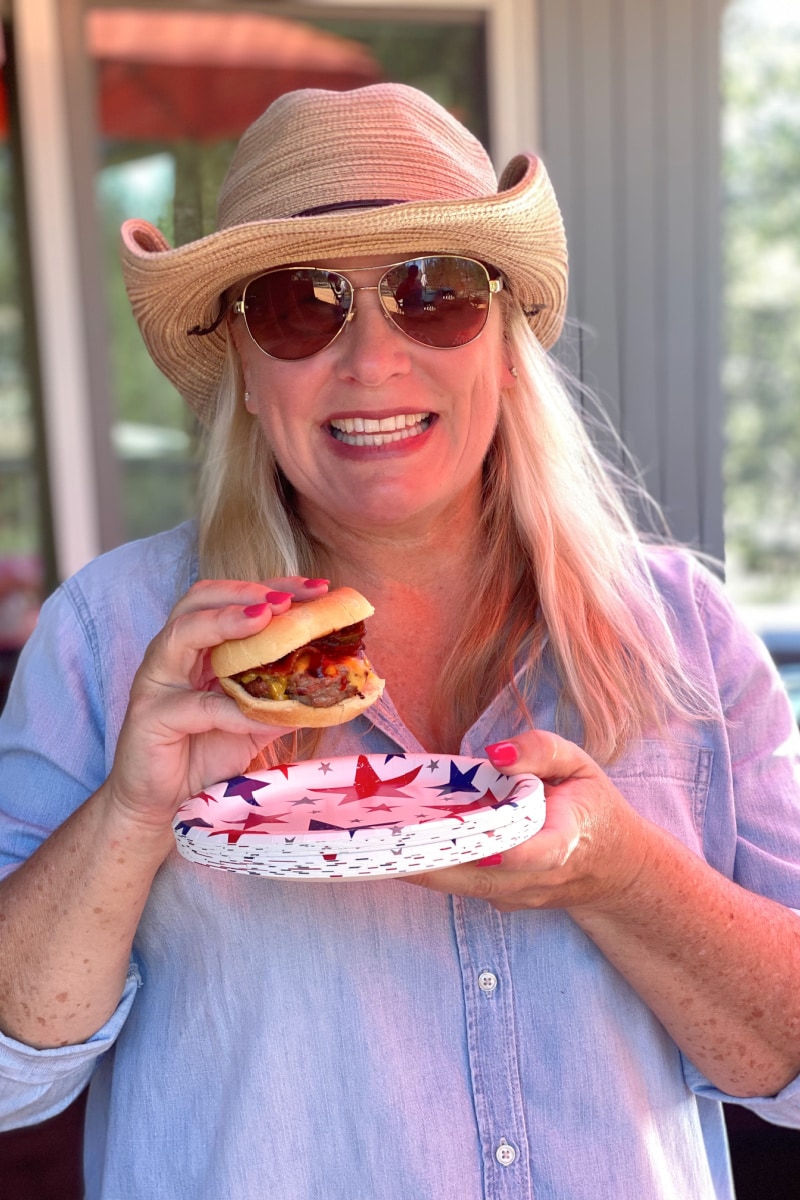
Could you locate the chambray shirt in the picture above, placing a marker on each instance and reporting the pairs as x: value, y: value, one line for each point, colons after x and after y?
x: 370, y: 1040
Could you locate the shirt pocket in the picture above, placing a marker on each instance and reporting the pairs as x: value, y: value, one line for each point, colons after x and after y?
x: 668, y: 783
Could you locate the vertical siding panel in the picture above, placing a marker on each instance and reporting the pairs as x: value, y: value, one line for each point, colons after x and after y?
x: 708, y: 250
x: 661, y: 200
x: 630, y: 117
x: 559, y: 125
x: 598, y: 203
x: 636, y: 219
x: 680, y: 495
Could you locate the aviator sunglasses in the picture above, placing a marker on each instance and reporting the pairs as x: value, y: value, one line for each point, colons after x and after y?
x: 438, y: 300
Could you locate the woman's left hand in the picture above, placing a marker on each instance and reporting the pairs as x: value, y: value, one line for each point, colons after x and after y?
x: 718, y: 965
x: 587, y: 852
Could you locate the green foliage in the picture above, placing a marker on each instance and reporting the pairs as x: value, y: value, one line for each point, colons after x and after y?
x: 156, y: 484
x: 761, y: 173
x: 140, y: 391
x: 19, y: 490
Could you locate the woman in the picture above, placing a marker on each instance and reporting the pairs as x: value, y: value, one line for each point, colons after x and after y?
x: 563, y: 1023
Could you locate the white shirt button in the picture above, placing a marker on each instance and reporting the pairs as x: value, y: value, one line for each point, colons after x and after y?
x: 487, y: 982
x: 505, y: 1154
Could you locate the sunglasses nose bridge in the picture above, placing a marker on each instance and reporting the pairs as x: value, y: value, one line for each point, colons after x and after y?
x: 371, y: 287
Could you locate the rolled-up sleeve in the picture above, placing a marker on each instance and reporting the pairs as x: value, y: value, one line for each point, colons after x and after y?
x: 52, y: 757
x: 52, y: 731
x: 781, y: 1109
x: 763, y: 796
x: 763, y: 744
x: 37, y: 1084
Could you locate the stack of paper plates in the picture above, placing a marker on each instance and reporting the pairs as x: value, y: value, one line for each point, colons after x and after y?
x: 369, y: 816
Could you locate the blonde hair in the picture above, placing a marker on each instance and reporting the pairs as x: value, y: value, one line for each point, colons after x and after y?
x: 563, y: 560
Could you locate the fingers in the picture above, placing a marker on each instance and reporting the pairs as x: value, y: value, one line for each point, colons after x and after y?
x: 301, y: 589
x: 216, y: 593
x: 179, y: 732
x: 174, y: 654
x: 541, y: 753
x: 194, y: 712
x: 467, y: 880
x: 215, y: 611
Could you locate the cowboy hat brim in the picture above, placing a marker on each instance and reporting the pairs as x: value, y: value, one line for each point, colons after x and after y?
x: 174, y: 291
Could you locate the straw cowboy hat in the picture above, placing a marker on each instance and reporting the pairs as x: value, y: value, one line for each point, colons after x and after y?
x: 379, y: 170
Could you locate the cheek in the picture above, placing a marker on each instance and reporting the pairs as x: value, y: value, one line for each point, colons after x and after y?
x: 290, y: 435
x: 276, y: 429
x: 276, y: 400
x: 486, y: 396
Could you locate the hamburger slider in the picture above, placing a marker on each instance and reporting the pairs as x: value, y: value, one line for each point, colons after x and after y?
x: 307, y: 667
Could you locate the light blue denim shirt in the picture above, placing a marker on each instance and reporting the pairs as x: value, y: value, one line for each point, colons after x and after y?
x: 373, y: 1040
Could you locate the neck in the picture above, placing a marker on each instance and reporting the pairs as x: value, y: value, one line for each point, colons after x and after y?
x: 425, y: 555
x: 417, y: 580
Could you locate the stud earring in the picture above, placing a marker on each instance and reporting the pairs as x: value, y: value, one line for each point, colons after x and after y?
x: 246, y: 399
x: 514, y: 371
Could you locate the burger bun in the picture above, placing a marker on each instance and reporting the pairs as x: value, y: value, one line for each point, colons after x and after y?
x: 302, y: 623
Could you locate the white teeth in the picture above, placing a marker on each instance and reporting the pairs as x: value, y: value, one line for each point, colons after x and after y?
x: 390, y: 424
x: 368, y: 431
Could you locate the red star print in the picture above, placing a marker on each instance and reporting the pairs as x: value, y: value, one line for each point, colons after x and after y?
x: 250, y: 824
x: 487, y: 800
x: 368, y: 783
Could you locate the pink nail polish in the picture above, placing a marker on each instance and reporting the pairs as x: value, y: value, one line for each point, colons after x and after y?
x: 254, y: 610
x: 313, y: 583
x: 278, y: 597
x: 491, y: 860
x: 503, y: 754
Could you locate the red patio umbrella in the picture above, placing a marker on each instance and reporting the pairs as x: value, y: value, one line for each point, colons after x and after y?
x: 203, y: 76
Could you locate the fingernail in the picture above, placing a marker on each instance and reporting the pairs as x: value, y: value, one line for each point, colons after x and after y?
x: 278, y: 597
x: 503, y: 754
x: 254, y: 610
x: 314, y: 582
x: 491, y: 860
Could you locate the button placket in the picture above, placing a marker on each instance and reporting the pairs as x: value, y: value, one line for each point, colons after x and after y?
x: 491, y: 1046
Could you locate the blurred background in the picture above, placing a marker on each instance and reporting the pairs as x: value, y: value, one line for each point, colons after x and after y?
x: 672, y: 131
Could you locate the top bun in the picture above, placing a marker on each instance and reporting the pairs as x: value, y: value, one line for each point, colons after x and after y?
x: 300, y: 624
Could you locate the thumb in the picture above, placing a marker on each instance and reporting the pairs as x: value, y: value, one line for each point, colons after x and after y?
x: 542, y: 753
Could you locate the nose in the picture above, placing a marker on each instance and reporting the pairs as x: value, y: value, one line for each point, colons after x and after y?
x: 371, y: 348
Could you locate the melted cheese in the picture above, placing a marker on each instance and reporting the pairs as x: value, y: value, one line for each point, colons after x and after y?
x: 357, y: 670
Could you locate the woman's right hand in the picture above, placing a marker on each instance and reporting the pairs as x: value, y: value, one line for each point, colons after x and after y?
x: 181, y: 733
x: 74, y: 906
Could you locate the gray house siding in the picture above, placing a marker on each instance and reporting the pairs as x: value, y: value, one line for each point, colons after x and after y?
x: 630, y: 133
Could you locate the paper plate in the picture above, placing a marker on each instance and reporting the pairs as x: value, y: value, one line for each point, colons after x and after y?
x: 367, y: 816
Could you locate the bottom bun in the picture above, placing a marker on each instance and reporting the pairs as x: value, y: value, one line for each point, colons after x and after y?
x: 295, y: 715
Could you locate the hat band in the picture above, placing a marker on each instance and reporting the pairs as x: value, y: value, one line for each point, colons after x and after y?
x: 328, y: 208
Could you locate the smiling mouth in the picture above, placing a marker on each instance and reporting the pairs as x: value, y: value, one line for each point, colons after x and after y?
x: 366, y: 431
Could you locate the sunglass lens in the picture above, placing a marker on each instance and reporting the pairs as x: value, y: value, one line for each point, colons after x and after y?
x: 296, y: 312
x: 439, y: 300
